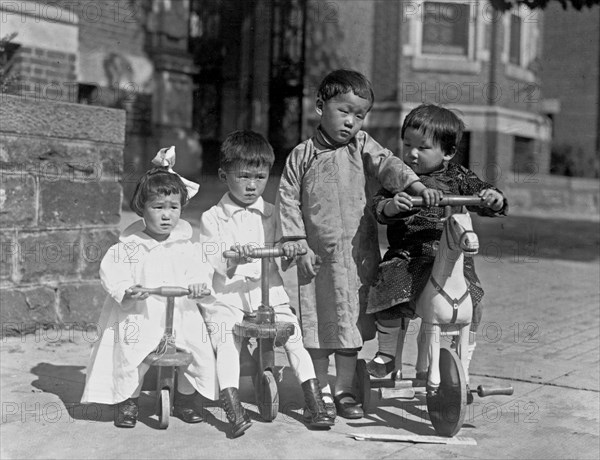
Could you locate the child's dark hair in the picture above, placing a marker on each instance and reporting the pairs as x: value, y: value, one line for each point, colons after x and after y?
x: 157, y: 181
x: 443, y: 126
x: 343, y: 81
x: 246, y: 148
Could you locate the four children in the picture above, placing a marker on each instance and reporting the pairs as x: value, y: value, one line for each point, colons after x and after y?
x: 325, y: 206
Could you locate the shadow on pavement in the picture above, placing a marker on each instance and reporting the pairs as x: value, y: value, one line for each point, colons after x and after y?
x: 67, y: 383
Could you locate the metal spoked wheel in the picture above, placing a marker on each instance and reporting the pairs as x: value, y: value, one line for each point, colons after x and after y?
x: 448, y: 408
x: 164, y: 409
x: 267, y: 395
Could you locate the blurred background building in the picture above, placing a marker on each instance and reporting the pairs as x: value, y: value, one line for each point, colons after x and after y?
x: 190, y: 71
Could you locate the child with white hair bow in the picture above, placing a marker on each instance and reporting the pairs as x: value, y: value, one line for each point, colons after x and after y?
x: 154, y: 251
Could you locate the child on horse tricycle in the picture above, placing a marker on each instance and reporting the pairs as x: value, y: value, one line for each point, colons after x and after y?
x: 431, y: 136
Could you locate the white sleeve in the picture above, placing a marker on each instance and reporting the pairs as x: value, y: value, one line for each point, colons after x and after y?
x: 198, y: 270
x: 115, y: 271
x: 211, y: 245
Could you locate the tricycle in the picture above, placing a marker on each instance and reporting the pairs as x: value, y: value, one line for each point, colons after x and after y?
x: 445, y: 308
x: 261, y: 326
x: 166, y: 358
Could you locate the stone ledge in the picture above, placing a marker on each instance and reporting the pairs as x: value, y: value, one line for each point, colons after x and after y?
x: 36, y: 116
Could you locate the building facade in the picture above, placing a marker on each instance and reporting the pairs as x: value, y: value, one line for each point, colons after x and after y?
x: 190, y: 71
x: 570, y: 71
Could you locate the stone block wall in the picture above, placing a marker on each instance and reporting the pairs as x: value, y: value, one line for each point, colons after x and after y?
x: 60, y: 206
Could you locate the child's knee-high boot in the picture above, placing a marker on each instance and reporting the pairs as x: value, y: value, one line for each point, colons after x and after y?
x: 236, y: 414
x: 315, y: 413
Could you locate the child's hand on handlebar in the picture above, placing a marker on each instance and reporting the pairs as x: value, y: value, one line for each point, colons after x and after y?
x: 492, y: 199
x: 291, y: 249
x: 431, y: 196
x: 198, y: 290
x: 400, y: 203
x: 306, y: 263
x: 244, y: 251
x: 131, y: 296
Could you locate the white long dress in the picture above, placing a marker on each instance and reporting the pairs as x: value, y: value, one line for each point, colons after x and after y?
x: 129, y: 335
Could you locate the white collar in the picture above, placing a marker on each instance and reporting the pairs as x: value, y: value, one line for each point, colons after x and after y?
x: 135, y: 234
x: 227, y: 207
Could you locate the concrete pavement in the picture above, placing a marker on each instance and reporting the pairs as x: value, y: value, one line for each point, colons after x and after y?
x: 540, y: 333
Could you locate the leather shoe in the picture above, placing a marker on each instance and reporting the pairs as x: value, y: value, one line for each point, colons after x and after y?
x: 127, y: 413
x: 380, y: 370
x: 187, y: 414
x: 347, y: 406
x: 184, y: 408
x: 329, y: 405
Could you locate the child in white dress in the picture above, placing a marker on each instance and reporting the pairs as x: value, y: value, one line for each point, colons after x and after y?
x: 153, y: 252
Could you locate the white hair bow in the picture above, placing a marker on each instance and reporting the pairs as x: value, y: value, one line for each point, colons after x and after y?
x: 166, y: 158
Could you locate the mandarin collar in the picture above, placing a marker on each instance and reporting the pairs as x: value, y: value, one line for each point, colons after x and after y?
x: 325, y: 143
x: 227, y: 207
x: 135, y: 234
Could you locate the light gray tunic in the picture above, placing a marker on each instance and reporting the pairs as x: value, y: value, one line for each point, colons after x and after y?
x: 325, y: 195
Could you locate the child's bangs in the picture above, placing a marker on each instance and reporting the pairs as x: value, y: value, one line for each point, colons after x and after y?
x: 344, y: 81
x: 439, y: 125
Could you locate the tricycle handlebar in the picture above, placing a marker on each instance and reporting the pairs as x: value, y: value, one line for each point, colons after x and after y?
x: 261, y: 253
x: 167, y: 291
x: 451, y: 200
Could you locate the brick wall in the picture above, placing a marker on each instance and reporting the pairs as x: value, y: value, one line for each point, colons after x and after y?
x: 571, y: 74
x: 47, y: 74
x: 60, y: 205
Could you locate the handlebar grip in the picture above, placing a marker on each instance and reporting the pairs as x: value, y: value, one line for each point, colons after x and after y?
x: 451, y: 200
x: 489, y: 391
x: 260, y: 253
x: 164, y: 291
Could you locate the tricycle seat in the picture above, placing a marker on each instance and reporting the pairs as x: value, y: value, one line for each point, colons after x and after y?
x: 179, y: 358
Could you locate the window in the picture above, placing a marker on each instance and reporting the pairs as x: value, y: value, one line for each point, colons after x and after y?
x: 8, y: 51
x: 524, y: 160
x: 515, y: 40
x: 445, y: 28
x: 521, y: 36
x: 443, y: 36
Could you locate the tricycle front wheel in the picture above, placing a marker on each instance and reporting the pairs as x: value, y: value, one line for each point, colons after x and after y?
x: 267, y: 395
x: 447, y: 409
x: 164, y: 408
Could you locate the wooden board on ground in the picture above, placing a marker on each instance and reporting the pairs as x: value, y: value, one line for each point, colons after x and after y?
x: 415, y: 438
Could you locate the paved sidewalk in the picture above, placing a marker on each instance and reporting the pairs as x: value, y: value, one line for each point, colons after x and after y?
x: 540, y: 334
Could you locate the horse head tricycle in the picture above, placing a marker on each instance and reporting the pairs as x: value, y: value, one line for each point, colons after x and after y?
x: 262, y: 326
x: 445, y: 308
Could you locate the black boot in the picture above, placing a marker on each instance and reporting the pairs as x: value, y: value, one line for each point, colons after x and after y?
x: 127, y: 413
x: 184, y: 408
x: 315, y: 413
x: 236, y: 414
